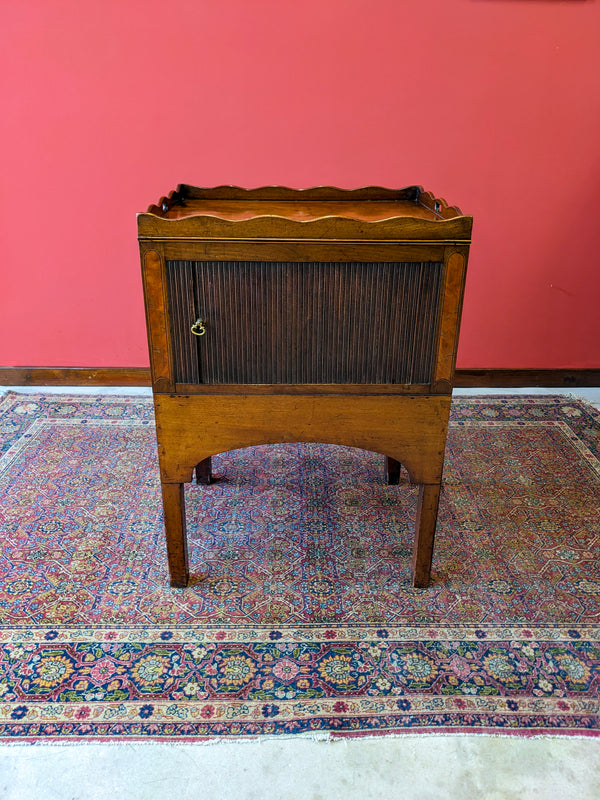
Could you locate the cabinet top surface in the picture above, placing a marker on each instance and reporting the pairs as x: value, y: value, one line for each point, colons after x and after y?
x: 234, y: 205
x: 303, y: 210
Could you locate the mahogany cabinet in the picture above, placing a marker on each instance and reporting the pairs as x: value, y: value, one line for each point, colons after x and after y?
x: 315, y: 315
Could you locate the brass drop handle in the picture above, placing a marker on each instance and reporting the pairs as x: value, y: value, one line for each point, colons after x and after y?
x: 199, y: 328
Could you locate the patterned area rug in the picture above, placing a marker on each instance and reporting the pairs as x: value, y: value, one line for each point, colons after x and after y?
x: 300, y: 617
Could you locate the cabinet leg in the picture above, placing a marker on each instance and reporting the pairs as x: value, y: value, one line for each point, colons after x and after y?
x: 174, y: 508
x: 392, y: 471
x: 427, y: 510
x: 203, y: 473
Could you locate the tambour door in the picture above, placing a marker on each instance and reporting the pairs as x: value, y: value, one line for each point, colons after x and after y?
x: 273, y: 322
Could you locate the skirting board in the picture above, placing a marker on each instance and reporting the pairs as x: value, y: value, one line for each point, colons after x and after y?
x: 140, y: 376
x: 75, y: 376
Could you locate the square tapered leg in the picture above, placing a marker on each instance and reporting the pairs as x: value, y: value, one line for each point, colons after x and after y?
x: 203, y: 472
x: 427, y: 510
x: 177, y: 552
x: 392, y: 471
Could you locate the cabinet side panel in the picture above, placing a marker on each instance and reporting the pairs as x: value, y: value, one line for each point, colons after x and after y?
x: 453, y: 291
x: 157, y: 315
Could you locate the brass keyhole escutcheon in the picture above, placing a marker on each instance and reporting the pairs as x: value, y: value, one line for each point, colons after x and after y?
x: 199, y: 327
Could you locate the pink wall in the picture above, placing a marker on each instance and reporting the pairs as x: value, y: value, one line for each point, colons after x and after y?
x: 494, y: 104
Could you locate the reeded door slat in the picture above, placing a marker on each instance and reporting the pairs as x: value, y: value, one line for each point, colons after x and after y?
x: 304, y: 322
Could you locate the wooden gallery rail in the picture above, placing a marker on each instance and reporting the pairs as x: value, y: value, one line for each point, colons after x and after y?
x: 316, y: 315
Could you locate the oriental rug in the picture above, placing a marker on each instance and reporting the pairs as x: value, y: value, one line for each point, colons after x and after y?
x: 300, y: 617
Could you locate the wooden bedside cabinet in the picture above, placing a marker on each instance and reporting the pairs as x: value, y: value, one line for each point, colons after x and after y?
x: 315, y: 315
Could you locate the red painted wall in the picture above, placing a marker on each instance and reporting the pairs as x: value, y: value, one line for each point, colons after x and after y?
x: 493, y: 104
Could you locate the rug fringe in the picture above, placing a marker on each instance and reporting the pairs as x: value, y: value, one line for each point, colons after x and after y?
x: 317, y: 738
